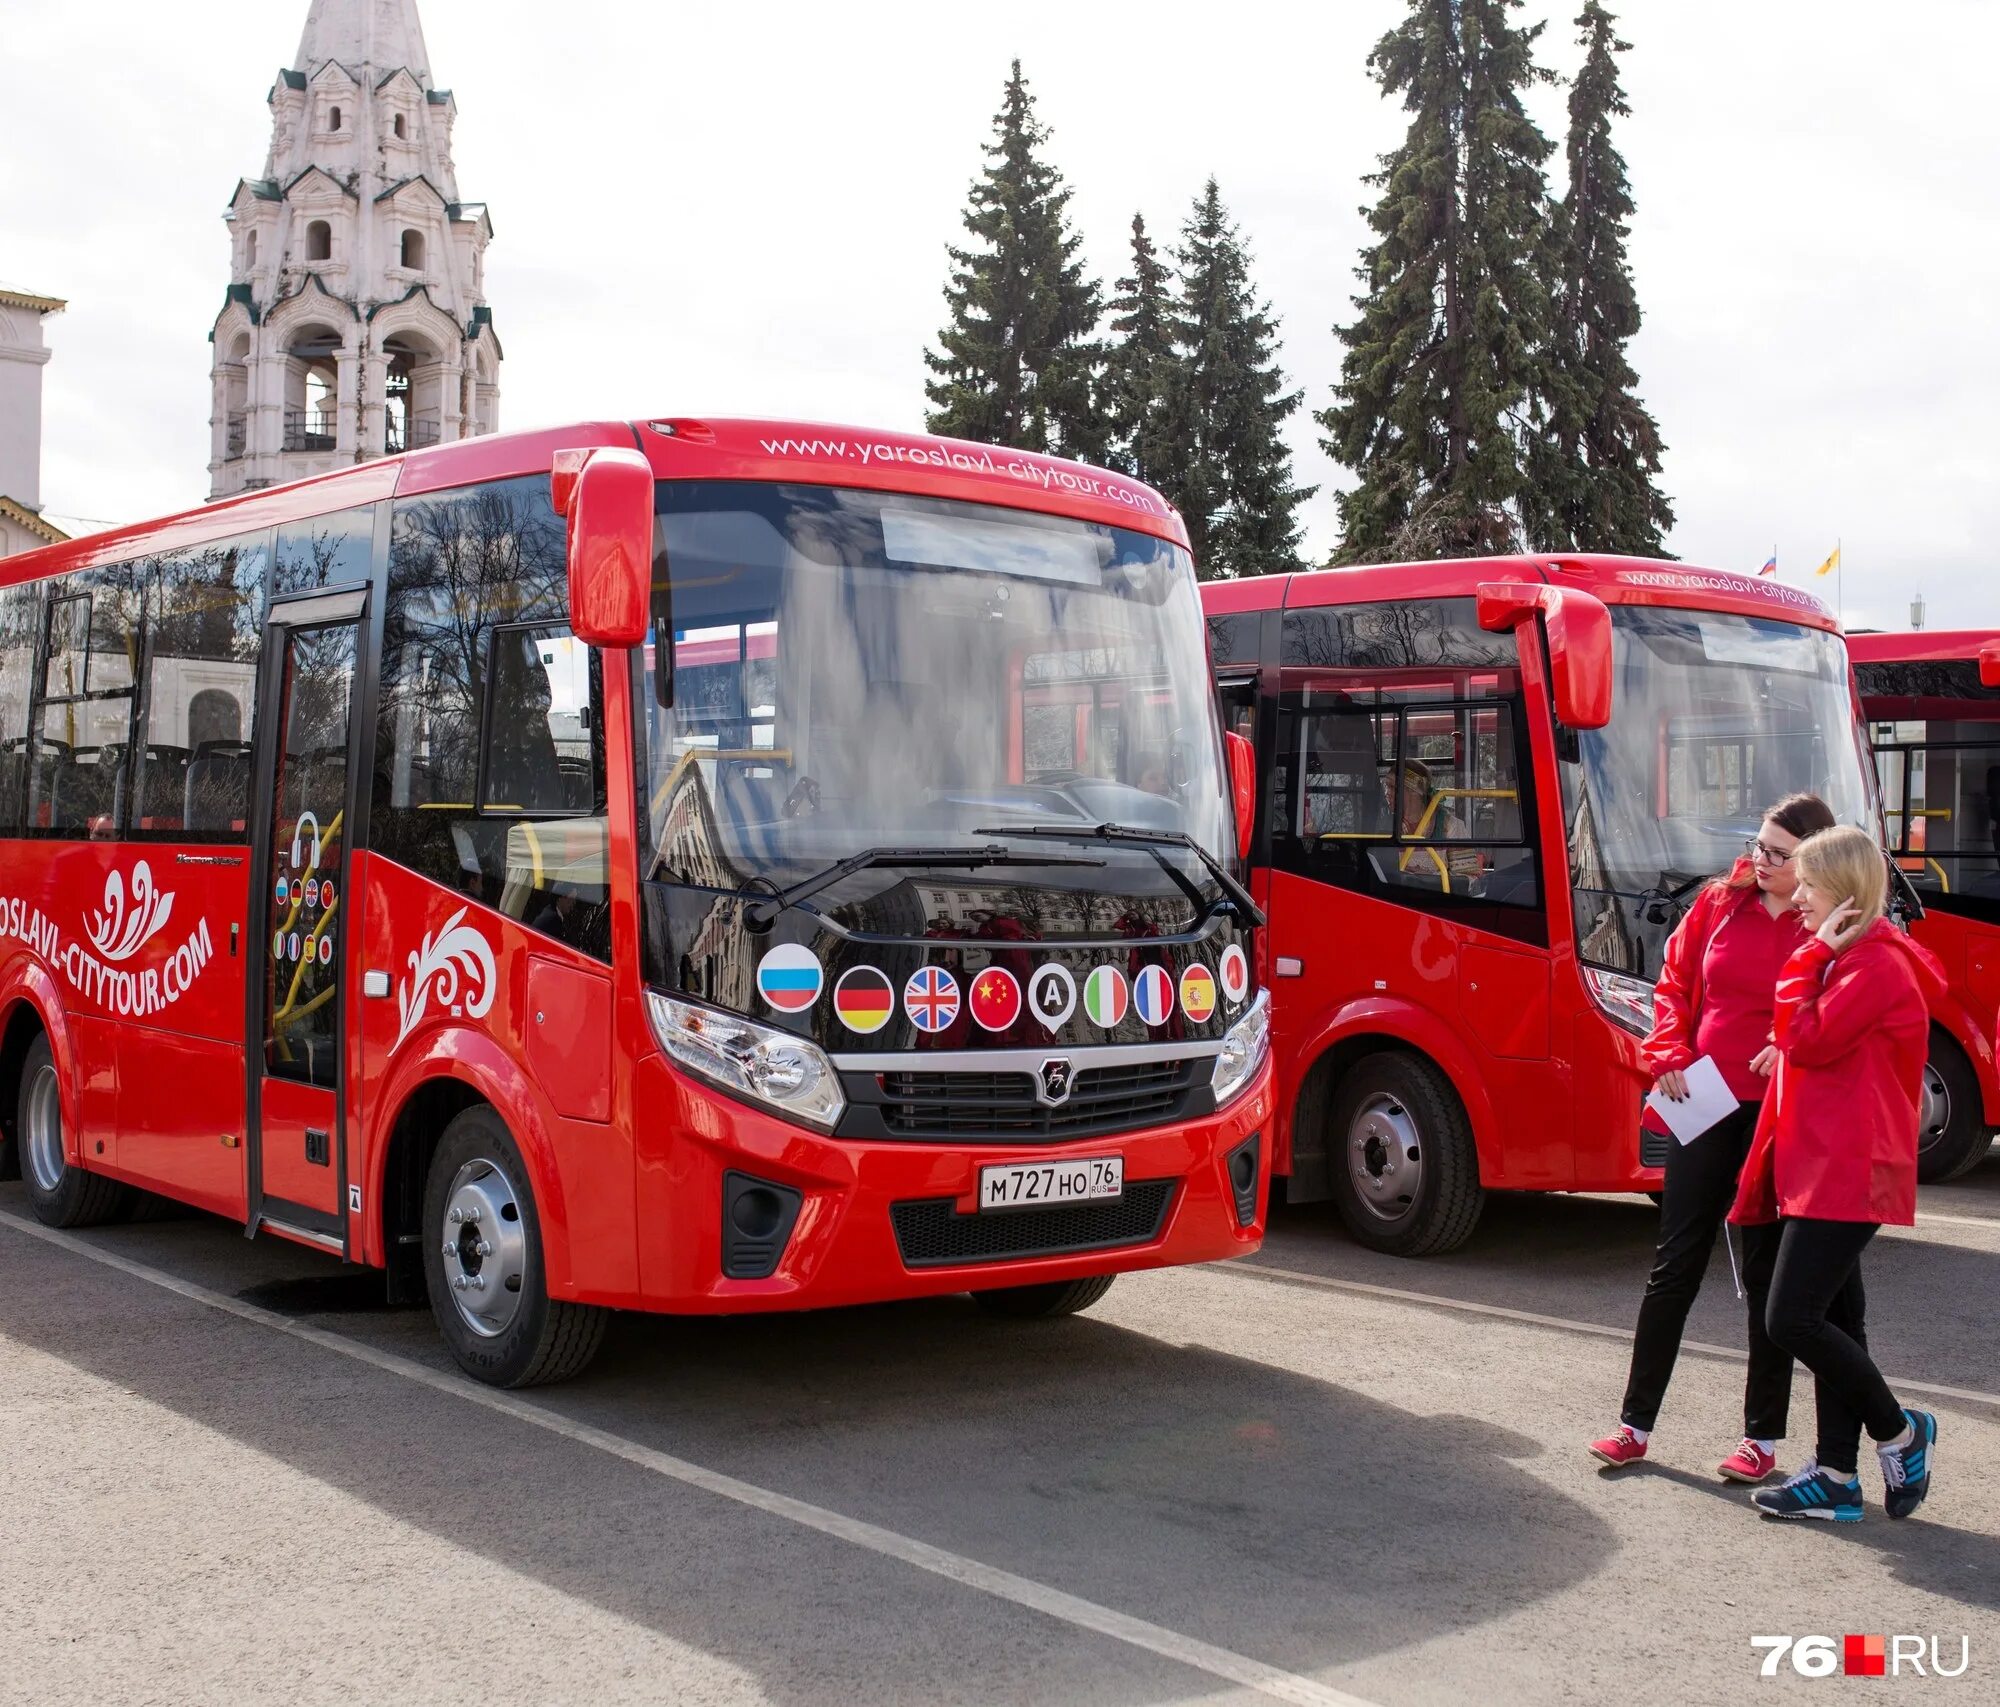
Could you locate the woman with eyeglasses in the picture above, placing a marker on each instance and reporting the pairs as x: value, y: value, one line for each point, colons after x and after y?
x: 1715, y: 997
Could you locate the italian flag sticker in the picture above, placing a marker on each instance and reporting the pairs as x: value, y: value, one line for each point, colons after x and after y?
x: 1105, y: 996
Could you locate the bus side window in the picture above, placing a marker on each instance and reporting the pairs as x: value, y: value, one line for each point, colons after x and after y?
x: 327, y: 551
x: 206, y: 609
x: 489, y: 749
x: 79, y: 767
x: 20, y: 630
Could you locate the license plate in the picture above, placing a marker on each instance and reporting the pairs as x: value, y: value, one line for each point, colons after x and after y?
x: 1027, y: 1185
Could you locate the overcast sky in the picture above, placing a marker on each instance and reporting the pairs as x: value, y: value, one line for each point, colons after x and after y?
x: 744, y: 209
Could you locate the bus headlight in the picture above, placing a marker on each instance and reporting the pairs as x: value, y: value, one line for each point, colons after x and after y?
x: 1244, y: 1049
x: 749, y: 1060
x: 1626, y: 1001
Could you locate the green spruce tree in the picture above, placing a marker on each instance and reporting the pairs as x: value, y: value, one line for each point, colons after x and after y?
x: 1441, y: 364
x: 1235, y: 485
x: 1142, y: 370
x: 1018, y: 364
x: 1592, y: 462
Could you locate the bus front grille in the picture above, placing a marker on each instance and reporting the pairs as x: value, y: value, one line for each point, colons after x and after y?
x: 931, y: 1233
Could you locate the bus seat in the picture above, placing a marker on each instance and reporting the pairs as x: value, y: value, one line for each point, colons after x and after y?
x: 218, y: 786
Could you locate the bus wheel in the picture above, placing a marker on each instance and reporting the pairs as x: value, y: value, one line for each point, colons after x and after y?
x: 1951, y: 1130
x: 1058, y: 1298
x: 1407, y: 1175
x: 60, y: 1195
x: 483, y: 1262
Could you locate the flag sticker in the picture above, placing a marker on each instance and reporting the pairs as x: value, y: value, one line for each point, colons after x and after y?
x: 1198, y: 993
x: 930, y: 998
x: 1153, y: 995
x: 996, y: 999
x: 284, y: 891
x: 864, y: 1000
x: 1052, y: 995
x: 1235, y: 969
x: 326, y: 951
x: 790, y: 978
x: 1105, y: 996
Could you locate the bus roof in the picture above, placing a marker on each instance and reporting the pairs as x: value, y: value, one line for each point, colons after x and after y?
x: 1616, y: 580
x: 1916, y: 647
x: 679, y: 448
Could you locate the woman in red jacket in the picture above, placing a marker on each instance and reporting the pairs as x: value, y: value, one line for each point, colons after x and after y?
x: 1835, y: 1158
x: 1714, y: 998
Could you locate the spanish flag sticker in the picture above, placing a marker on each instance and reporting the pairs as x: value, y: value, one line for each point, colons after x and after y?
x: 864, y: 1000
x: 1198, y: 993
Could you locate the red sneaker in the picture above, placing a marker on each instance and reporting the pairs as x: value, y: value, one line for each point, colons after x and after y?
x: 1748, y: 1463
x: 1620, y: 1447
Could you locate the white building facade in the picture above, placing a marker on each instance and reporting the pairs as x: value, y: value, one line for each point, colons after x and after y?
x: 23, y: 355
x: 356, y: 322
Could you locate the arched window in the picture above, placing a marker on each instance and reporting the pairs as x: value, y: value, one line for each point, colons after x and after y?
x: 402, y: 128
x: 413, y: 250
x: 333, y: 119
x: 250, y: 252
x: 213, y: 715
x: 319, y: 241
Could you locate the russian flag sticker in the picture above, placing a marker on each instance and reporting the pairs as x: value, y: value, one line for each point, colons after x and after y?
x: 790, y: 978
x: 1153, y: 995
x: 1235, y: 970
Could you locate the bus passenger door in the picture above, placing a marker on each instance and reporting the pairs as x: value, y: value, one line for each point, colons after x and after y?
x: 299, y: 908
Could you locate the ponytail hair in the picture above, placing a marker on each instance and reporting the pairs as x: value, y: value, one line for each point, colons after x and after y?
x: 1800, y: 815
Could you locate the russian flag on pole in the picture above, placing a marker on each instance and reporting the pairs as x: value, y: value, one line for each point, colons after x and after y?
x: 1770, y: 565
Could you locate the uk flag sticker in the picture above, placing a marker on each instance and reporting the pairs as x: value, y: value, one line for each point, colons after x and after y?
x: 1153, y: 995
x: 930, y: 998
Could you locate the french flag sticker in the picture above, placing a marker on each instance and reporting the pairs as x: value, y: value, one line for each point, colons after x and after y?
x: 1153, y: 995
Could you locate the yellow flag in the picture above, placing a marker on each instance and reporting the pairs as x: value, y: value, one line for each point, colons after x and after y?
x: 1831, y: 564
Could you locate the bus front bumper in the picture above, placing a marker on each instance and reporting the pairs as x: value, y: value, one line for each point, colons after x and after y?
x: 865, y: 1222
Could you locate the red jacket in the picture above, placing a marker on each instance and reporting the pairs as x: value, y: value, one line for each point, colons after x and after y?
x: 1837, y: 1139
x: 1678, y: 996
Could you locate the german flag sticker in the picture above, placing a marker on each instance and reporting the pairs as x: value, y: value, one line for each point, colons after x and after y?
x: 864, y: 1000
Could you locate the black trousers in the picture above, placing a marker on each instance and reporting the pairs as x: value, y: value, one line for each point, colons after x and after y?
x: 1818, y: 1313
x: 1700, y: 1187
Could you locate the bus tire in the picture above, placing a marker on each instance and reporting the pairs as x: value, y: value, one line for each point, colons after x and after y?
x: 490, y: 1294
x: 1033, y: 1303
x: 1952, y: 1134
x: 1400, y: 1154
x: 60, y: 1194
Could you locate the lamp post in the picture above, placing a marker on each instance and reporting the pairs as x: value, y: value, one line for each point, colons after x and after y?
x: 1917, y: 612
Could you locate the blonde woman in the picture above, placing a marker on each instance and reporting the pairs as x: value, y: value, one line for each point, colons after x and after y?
x: 1835, y: 1158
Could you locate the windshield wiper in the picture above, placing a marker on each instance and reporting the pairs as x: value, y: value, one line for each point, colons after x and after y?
x: 1676, y: 897
x: 1233, y: 893
x: 763, y: 911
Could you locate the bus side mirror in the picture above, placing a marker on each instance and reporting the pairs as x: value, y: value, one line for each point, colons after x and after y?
x: 1579, y: 630
x: 607, y: 497
x: 1242, y: 757
x: 1989, y: 664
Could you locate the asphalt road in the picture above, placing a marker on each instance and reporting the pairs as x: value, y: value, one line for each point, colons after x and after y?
x: 1315, y: 1476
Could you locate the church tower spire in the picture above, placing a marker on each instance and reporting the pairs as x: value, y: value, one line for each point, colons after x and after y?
x: 355, y: 323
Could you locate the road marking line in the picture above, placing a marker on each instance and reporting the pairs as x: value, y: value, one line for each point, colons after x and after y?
x: 1990, y: 1223
x: 1005, y: 1585
x: 1244, y: 1267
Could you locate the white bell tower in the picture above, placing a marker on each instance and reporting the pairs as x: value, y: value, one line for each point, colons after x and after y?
x: 355, y: 323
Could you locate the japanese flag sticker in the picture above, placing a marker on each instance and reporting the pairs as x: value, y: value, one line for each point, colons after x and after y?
x: 1235, y: 970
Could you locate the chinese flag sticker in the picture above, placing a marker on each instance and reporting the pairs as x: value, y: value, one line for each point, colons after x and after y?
x: 1866, y: 1656
x: 996, y: 999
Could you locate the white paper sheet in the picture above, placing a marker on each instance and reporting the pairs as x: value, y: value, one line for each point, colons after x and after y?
x: 1708, y: 1100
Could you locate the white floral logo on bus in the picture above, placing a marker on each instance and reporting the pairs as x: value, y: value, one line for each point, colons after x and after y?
x: 455, y: 964
x: 123, y: 928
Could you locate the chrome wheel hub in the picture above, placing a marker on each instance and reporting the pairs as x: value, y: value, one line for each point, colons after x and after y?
x: 41, y: 1132
x: 1935, y: 1116
x: 485, y: 1248
x: 1385, y: 1156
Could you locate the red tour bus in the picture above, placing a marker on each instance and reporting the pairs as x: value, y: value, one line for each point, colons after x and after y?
x: 1486, y: 793
x: 1933, y: 707
x: 683, y: 866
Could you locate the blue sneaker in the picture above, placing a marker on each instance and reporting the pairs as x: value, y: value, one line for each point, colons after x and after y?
x: 1811, y: 1493
x: 1906, y: 1470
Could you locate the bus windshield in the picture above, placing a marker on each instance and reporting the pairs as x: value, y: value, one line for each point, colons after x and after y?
x: 857, y: 670
x: 1715, y: 717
